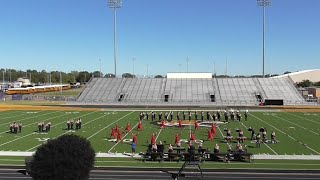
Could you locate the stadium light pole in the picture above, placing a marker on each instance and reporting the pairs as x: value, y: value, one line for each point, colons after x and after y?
x: 147, y: 70
x: 114, y: 4
x: 264, y: 4
x: 133, y: 60
x: 187, y: 64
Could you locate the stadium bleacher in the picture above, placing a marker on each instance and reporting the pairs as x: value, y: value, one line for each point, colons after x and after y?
x: 207, y: 91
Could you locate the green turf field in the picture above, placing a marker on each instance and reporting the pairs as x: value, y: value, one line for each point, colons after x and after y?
x: 298, y: 133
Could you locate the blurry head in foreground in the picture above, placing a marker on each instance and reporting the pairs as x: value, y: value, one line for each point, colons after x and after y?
x: 68, y: 157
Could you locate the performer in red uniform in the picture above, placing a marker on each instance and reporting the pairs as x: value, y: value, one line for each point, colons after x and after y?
x: 177, y: 139
x: 192, y: 138
x: 180, y: 124
x: 210, y: 136
x: 117, y: 129
x: 135, y: 139
x: 214, y: 129
x: 128, y: 128
x: 140, y: 128
x: 196, y: 125
x: 153, y: 139
x: 163, y: 124
x: 113, y: 133
x: 119, y: 136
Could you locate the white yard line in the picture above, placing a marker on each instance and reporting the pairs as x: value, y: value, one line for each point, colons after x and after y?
x: 296, y: 125
x: 158, y: 134
x: 303, y: 118
x: 13, y: 116
x: 284, y: 133
x: 20, y: 120
x: 70, y: 130
x: 110, y: 124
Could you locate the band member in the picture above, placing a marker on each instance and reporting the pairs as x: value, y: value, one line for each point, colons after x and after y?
x: 232, y: 115
x: 180, y: 124
x: 264, y: 136
x: 189, y: 114
x: 241, y: 136
x: 196, y: 125
x: 80, y: 123
x: 68, y: 125
x: 117, y: 129
x: 196, y: 115
x: 20, y: 127
x: 119, y: 136
x: 153, y: 139
x: 210, y: 135
x: 11, y: 128
x: 184, y: 115
x: 40, y: 127
x: 160, y: 116
x: 226, y: 116
x: 214, y: 117
x: 147, y: 116
x: 163, y: 125
x: 135, y: 139
x: 171, y: 115
x: 214, y: 129
x: 128, y: 128
x: 258, y: 140
x: 246, y: 114
x: 153, y: 116
x: 113, y: 133
x: 140, y: 128
x: 71, y: 123
x: 178, y: 115
x: 141, y: 116
x: 177, y: 139
x: 228, y: 136
x: 216, y: 149
x: 77, y: 124
x: 208, y: 115
x: 192, y: 137
x: 49, y: 126
x: 273, y: 137
x: 238, y: 117
x: 202, y: 115
x: 166, y: 116
x: 252, y: 133
x: 219, y: 115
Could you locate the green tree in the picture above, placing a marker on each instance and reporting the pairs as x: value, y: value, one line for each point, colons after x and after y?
x: 305, y: 83
x: 127, y: 75
x: 109, y: 75
x: 158, y: 76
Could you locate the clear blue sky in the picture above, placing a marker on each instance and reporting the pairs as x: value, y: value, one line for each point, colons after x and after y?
x: 73, y: 34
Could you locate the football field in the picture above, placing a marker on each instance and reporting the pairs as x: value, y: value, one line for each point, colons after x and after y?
x: 297, y: 132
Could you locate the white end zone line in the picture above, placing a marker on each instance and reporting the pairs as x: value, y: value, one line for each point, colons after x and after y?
x: 158, y: 134
x: 303, y: 118
x: 284, y: 133
x: 8, y: 123
x: 296, y: 125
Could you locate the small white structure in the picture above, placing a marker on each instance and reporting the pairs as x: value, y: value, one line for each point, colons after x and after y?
x: 24, y: 81
x: 313, y: 75
x: 189, y: 75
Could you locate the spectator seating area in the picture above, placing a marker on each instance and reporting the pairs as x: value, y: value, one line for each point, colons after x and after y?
x: 206, y: 91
